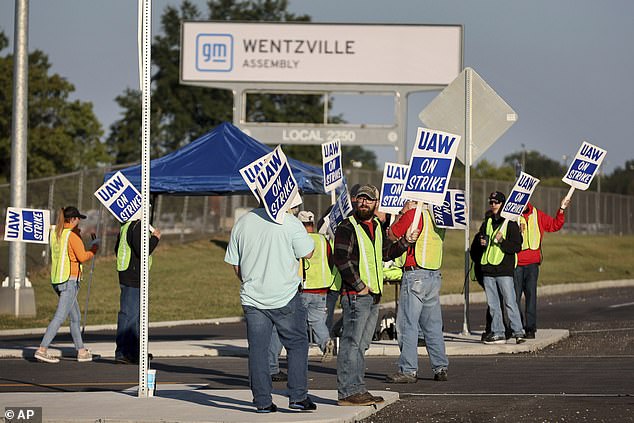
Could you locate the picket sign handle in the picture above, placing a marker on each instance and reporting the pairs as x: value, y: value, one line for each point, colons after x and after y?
x: 333, y: 197
x: 570, y: 192
x: 419, y: 210
x: 502, y: 229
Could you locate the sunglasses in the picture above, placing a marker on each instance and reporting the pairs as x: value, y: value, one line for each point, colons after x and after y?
x: 493, y: 202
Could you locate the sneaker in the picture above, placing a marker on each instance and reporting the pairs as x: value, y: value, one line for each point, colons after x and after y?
x: 329, y: 351
x: 305, y: 405
x: 495, y: 339
x: 530, y: 334
x: 401, y: 378
x: 45, y: 357
x: 375, y: 398
x: 520, y: 339
x: 441, y: 375
x: 83, y: 356
x: 270, y: 409
x: 279, y: 377
x: 484, y: 336
x: 358, y: 400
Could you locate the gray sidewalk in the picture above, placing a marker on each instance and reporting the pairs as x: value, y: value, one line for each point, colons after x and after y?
x: 183, y: 403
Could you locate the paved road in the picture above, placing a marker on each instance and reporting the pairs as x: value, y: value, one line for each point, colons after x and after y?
x: 588, y: 377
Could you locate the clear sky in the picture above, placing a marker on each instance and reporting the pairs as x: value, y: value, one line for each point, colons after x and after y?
x: 565, y: 66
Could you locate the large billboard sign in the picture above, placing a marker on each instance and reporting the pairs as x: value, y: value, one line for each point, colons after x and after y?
x: 286, y: 53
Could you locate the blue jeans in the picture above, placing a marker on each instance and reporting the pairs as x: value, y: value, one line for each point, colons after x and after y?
x: 274, y: 353
x: 316, y: 308
x: 506, y: 288
x: 526, y: 283
x: 331, y: 303
x: 290, y: 322
x: 419, y: 307
x: 67, y: 305
x: 359, y: 323
x: 128, y: 323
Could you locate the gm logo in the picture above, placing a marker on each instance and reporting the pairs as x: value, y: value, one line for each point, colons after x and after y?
x: 214, y: 52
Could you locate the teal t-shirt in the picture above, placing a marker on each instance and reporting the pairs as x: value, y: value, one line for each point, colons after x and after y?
x: 268, y: 255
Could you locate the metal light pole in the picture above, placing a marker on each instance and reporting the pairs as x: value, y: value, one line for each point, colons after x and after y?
x: 16, y: 293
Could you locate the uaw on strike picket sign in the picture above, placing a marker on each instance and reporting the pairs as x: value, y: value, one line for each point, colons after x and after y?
x: 27, y: 225
x: 452, y: 213
x: 119, y: 196
x: 584, y: 166
x: 339, y: 211
x: 392, y: 199
x: 430, y: 166
x: 276, y: 185
x: 331, y: 165
x: 519, y: 196
x: 250, y: 172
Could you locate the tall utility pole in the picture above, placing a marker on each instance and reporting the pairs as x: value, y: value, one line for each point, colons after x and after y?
x: 16, y: 293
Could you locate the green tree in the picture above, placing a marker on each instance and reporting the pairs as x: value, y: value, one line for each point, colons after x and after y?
x: 63, y: 135
x: 484, y: 169
x: 536, y: 164
x: 182, y: 113
x: 621, y: 181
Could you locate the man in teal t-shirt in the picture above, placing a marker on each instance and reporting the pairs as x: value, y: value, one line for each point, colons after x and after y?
x: 265, y: 256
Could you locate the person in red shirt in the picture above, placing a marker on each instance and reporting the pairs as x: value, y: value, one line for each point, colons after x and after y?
x: 533, y: 224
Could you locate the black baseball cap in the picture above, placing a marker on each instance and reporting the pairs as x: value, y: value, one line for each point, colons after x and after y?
x: 497, y: 196
x: 71, y: 211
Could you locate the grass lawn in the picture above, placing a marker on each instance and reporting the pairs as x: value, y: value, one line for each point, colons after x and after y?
x: 192, y: 281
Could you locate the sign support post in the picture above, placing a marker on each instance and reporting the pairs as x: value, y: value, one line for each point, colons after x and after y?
x: 145, y: 41
x: 467, y: 189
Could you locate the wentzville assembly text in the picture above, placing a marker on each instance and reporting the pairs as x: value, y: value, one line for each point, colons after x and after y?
x: 293, y: 47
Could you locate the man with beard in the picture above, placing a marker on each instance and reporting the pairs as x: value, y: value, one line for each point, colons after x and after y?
x: 358, y: 254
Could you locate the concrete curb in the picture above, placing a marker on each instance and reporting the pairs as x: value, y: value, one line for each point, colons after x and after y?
x: 455, y: 344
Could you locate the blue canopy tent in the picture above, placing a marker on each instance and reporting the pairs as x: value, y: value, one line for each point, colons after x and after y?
x: 211, y: 165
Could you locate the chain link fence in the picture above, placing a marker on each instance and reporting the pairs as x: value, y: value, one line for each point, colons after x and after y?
x: 186, y: 218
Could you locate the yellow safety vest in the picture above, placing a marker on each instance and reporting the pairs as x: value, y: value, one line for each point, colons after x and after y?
x: 318, y: 273
x: 124, y: 252
x: 428, y: 249
x: 531, y: 236
x: 370, y: 256
x: 60, y: 260
x: 493, y: 253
